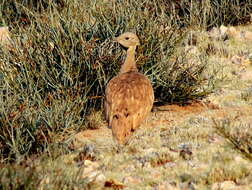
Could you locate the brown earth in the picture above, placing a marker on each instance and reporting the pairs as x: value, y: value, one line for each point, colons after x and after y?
x: 170, y: 127
x: 169, y: 115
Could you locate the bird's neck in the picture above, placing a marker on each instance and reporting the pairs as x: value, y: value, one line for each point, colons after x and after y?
x: 130, y: 62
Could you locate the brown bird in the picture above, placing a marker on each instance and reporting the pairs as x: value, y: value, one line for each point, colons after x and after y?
x: 129, y: 96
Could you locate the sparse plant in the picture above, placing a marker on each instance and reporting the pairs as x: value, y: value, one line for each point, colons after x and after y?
x: 247, y: 95
x: 239, y: 135
x: 57, y: 69
x: 220, y: 173
x: 53, y: 77
x: 29, y: 177
x: 210, y: 13
x: 94, y: 119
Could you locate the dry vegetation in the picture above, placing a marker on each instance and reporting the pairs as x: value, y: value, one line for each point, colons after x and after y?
x: 53, y: 76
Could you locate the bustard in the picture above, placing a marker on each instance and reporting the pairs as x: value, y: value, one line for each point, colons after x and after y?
x: 129, y: 96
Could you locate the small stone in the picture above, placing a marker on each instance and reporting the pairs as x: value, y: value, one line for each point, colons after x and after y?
x: 88, y: 153
x: 94, y: 176
x: 149, y: 150
x: 132, y: 180
x: 100, y: 178
x: 223, y: 32
x: 185, y: 146
x: 226, y: 185
x: 156, y: 174
x: 239, y: 159
x: 165, y: 186
x: 88, y: 163
x: 148, y: 165
x: 214, y: 33
x: 170, y: 165
x: 87, y: 172
x: 232, y: 31
x: 90, y: 170
x: 130, y: 168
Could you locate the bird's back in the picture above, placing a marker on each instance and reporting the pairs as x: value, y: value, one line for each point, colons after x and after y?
x: 129, y: 96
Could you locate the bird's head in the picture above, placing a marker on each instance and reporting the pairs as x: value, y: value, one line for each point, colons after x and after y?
x: 128, y: 39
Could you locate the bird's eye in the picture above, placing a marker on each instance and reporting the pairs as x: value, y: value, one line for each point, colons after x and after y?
x: 126, y: 38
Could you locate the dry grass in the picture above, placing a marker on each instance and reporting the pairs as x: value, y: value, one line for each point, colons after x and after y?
x: 53, y: 79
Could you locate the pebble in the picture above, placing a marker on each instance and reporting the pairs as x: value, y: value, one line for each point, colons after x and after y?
x: 165, y: 186
x: 132, y: 180
x: 226, y: 185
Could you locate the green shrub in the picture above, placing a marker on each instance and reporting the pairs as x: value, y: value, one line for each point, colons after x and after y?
x: 63, y: 56
x: 210, y: 13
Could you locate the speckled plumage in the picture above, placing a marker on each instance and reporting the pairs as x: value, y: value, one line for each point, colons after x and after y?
x: 129, y: 96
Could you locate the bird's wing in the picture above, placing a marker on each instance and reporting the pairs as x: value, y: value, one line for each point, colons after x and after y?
x: 130, y: 95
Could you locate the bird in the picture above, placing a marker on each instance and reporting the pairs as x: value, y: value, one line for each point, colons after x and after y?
x: 129, y: 96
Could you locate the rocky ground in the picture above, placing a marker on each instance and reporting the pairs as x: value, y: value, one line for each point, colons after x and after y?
x: 202, y: 145
x: 184, y: 147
